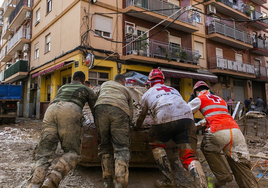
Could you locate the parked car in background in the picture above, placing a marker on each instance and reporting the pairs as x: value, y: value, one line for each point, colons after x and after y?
x: 135, y: 79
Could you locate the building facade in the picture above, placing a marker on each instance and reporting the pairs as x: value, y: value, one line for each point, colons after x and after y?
x: 44, y: 42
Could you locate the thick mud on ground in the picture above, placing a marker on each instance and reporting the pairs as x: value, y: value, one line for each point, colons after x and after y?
x: 17, y: 143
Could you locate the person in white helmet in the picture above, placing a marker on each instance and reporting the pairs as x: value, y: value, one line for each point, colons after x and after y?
x: 172, y: 119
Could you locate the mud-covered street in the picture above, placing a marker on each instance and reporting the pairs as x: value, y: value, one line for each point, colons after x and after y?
x: 17, y: 143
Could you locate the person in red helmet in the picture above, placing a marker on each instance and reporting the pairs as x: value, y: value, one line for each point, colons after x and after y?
x: 172, y: 119
x: 222, y: 133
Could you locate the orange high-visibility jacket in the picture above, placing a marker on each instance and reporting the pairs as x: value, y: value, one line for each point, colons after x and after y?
x: 216, y: 113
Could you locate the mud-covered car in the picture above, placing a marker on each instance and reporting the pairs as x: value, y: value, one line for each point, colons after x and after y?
x: 141, y: 154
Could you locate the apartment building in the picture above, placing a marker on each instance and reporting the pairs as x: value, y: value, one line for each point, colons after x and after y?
x: 235, y: 52
x: 64, y: 34
x: 15, y: 44
x: 177, y: 45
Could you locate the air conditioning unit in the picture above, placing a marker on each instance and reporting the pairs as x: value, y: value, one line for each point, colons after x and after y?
x: 33, y: 86
x: 17, y: 54
x: 26, y: 48
x: 131, y: 30
x: 28, y: 15
x: 211, y: 9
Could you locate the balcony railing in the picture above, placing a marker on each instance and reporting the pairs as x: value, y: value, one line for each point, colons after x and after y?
x: 260, y: 43
x: 261, y: 71
x: 23, y: 32
x: 19, y: 66
x: 162, y: 50
x: 229, y: 64
x: 257, y: 15
x: 237, y: 5
x: 3, y: 52
x: 229, y: 31
x: 7, y: 4
x: 17, y: 9
x: 161, y: 6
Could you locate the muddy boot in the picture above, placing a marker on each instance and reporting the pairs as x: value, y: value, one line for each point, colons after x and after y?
x: 107, y: 164
x: 196, y: 170
x: 66, y: 163
x: 52, y: 181
x: 121, y: 173
x: 37, y: 177
x: 161, y: 159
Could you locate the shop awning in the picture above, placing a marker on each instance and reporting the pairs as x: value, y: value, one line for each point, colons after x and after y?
x: 51, y: 69
x: 185, y: 74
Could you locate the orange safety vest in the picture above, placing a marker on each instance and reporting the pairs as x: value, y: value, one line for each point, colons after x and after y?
x: 216, y: 113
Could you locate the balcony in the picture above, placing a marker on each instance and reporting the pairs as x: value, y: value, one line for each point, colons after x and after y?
x: 19, y: 14
x: 259, y: 2
x: 9, y: 6
x: 231, y: 67
x: 238, y: 11
x: 260, y: 47
x: 184, y: 21
x: 17, y: 71
x: 153, y: 52
x: 262, y: 24
x: 4, y: 56
x: 261, y: 72
x: 6, y: 32
x: 21, y: 37
x: 230, y: 35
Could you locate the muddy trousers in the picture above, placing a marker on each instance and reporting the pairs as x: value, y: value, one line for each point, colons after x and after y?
x: 182, y: 132
x: 113, y: 129
x: 232, y: 142
x: 62, y: 123
x: 191, y: 163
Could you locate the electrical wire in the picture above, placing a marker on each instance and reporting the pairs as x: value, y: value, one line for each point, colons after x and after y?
x: 147, y: 32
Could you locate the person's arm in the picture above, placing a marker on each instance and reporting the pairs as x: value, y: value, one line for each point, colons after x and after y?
x: 195, y: 104
x: 143, y: 113
x: 92, y: 98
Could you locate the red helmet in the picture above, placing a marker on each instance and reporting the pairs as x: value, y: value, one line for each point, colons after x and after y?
x: 156, y: 74
x: 199, y: 84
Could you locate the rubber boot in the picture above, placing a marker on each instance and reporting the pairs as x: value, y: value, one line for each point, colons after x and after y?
x: 121, y: 173
x: 196, y: 170
x: 52, y: 181
x: 37, y: 177
x: 107, y: 164
x: 161, y: 159
x: 60, y: 170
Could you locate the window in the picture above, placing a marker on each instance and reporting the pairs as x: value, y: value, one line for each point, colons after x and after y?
x: 174, y: 46
x: 199, y: 46
x: 103, y: 26
x: 37, y: 17
x: 97, y: 78
x: 47, y: 43
x: 36, y: 51
x: 49, y: 6
x: 66, y: 80
x: 239, y: 58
